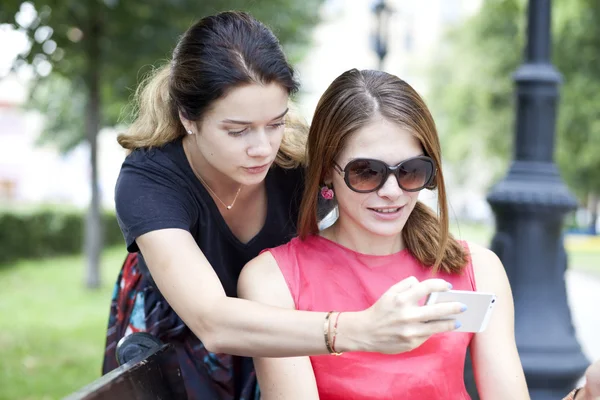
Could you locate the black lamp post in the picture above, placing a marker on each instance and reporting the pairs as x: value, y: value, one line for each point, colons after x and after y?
x: 530, y: 204
x: 380, y: 35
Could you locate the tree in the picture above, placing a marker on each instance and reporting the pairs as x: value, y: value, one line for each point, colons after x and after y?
x: 473, y: 92
x: 577, y: 46
x: 89, y: 57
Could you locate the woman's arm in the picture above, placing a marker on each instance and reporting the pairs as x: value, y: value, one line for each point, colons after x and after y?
x: 278, y: 378
x: 224, y: 324
x: 497, y: 367
x: 242, y: 327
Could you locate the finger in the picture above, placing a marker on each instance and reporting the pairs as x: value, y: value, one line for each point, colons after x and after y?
x: 439, y: 311
x: 433, y: 327
x: 403, y: 285
x: 424, y: 288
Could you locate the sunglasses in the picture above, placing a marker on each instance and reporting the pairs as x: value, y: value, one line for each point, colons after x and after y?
x: 364, y: 175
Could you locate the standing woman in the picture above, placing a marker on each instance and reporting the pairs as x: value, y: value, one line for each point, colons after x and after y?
x: 212, y: 179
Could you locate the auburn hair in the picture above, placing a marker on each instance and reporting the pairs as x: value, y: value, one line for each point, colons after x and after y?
x: 350, y: 103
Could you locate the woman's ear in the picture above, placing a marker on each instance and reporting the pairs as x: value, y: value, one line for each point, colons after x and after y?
x: 328, y: 178
x: 187, y: 124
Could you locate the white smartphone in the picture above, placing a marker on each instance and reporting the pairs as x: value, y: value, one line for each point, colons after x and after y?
x: 479, y: 308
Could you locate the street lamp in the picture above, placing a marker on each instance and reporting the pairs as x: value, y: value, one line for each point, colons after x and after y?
x: 379, y: 37
x: 530, y: 204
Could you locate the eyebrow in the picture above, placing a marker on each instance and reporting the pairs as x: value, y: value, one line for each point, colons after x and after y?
x: 237, y: 122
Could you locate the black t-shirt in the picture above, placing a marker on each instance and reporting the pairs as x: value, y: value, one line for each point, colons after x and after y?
x: 157, y: 189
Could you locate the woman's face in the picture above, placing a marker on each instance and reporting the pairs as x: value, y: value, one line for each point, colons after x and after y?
x: 384, y: 211
x: 240, y: 134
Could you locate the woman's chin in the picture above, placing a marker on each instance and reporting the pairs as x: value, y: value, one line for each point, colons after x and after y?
x: 386, y: 229
x: 251, y: 179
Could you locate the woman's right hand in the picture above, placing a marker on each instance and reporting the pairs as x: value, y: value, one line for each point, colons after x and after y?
x: 591, y: 390
x: 397, y: 322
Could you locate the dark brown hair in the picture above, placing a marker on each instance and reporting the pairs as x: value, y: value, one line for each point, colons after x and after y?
x: 350, y: 103
x: 215, y: 55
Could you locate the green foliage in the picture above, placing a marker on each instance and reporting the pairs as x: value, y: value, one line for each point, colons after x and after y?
x: 577, y: 56
x: 63, y: 119
x: 473, y: 91
x: 43, y: 233
x: 123, y: 40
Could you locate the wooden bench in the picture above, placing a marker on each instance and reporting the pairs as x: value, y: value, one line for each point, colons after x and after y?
x: 144, y: 374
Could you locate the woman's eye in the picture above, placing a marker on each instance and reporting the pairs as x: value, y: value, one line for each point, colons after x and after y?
x: 277, y: 125
x: 237, y: 133
x: 242, y: 131
x: 366, y: 172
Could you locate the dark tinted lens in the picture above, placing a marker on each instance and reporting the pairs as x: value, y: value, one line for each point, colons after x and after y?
x: 414, y: 174
x: 365, y: 175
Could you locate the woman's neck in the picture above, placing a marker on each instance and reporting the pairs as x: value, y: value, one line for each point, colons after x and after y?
x: 346, y: 233
x: 204, y: 171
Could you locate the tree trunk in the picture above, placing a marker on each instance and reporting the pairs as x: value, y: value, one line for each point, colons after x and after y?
x: 593, y: 201
x: 93, y: 231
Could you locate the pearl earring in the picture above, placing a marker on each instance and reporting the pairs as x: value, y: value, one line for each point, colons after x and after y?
x: 189, y: 132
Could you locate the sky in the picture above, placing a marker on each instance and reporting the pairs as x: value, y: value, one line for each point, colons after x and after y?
x: 12, y: 43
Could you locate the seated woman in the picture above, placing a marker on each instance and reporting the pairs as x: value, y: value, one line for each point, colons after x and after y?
x: 372, y: 148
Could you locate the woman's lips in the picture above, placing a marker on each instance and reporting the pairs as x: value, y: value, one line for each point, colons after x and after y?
x: 387, y: 213
x: 257, y: 170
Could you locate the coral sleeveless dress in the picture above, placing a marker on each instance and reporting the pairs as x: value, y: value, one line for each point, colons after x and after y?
x: 323, y: 276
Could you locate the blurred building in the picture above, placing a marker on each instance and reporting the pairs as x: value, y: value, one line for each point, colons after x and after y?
x: 34, y: 174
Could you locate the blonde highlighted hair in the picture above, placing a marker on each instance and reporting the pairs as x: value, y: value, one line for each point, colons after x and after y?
x: 155, y: 122
x: 217, y: 54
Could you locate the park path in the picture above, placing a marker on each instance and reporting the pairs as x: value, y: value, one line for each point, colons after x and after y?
x: 583, y: 293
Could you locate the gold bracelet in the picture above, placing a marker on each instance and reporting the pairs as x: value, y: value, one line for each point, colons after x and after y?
x: 327, y: 334
x: 571, y: 396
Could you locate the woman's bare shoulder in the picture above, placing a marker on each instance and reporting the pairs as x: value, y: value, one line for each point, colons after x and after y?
x: 488, y: 269
x: 261, y: 280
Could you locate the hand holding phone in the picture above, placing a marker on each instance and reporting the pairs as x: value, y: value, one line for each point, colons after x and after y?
x: 479, y: 308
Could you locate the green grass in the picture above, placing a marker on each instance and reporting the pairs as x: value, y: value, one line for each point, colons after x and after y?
x: 584, y: 253
x: 588, y: 262
x: 476, y: 233
x: 52, y: 330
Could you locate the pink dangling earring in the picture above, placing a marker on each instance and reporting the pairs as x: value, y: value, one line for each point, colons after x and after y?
x: 327, y: 193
